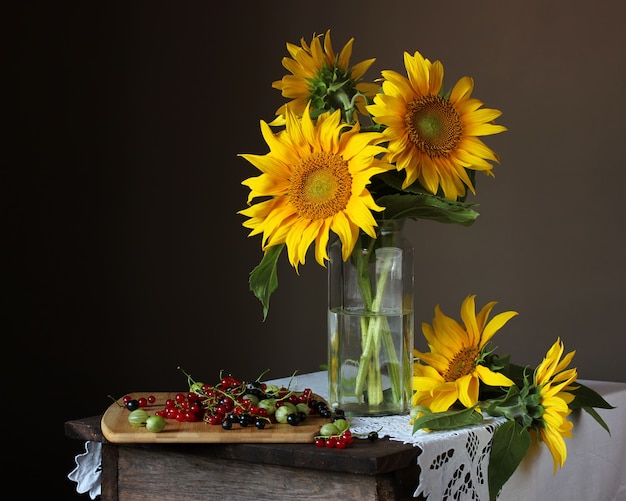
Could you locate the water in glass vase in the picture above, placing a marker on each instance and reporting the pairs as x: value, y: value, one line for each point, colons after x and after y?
x: 371, y: 361
x: 370, y: 323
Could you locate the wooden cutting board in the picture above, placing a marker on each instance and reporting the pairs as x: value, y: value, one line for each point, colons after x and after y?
x: 117, y: 429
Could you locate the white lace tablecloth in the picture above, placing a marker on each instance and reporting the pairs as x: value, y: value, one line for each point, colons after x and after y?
x: 453, y: 464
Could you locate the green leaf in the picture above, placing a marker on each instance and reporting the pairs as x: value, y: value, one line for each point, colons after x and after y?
x: 594, y: 414
x: 517, y: 373
x: 448, y: 420
x: 395, y: 180
x: 264, y: 278
x: 427, y: 206
x: 586, y: 397
x: 510, y: 444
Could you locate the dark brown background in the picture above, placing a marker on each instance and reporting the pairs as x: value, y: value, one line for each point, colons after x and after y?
x: 127, y: 257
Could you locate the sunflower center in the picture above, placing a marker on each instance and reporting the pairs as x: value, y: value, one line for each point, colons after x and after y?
x: 434, y: 125
x: 321, y: 186
x: 462, y: 364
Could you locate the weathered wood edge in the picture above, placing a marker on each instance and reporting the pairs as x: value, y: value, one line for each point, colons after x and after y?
x: 362, y: 457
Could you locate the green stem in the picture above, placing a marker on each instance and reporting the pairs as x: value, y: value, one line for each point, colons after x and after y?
x: 375, y: 330
x: 393, y: 364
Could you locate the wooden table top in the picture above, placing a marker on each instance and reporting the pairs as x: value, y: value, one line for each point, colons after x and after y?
x: 361, y: 457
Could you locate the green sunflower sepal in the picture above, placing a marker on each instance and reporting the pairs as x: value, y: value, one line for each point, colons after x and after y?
x: 584, y: 397
x: 519, y: 405
x: 264, y: 277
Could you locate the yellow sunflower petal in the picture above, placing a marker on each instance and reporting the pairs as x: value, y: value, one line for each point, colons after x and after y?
x: 468, y: 390
x: 495, y: 324
x: 492, y: 378
x: 555, y: 443
x: 462, y: 90
x: 444, y: 398
x: 468, y: 315
x: 546, y: 368
x: 436, y: 361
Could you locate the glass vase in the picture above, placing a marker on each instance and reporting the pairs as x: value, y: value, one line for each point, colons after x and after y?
x: 370, y: 323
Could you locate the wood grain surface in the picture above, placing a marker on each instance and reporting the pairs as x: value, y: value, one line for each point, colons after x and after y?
x: 117, y: 429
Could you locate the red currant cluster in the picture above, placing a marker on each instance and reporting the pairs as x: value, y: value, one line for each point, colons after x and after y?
x: 184, y: 407
x: 340, y: 441
x: 337, y: 434
x: 234, y: 401
x: 135, y: 403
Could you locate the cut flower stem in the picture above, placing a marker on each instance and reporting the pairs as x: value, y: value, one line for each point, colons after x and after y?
x: 375, y: 331
x: 371, y: 322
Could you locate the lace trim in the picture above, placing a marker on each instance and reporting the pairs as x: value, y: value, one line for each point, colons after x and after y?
x: 88, y: 470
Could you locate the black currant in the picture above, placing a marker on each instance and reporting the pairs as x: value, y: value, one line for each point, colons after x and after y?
x: 132, y: 405
x: 372, y: 436
x: 226, y: 424
x: 321, y: 406
x: 293, y: 419
x: 254, y: 391
x: 325, y: 412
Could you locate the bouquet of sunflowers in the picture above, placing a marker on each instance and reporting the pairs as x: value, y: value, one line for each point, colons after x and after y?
x: 347, y: 154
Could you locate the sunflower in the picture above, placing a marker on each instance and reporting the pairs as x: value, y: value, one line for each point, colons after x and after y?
x: 326, y: 81
x: 553, y: 382
x: 432, y: 137
x: 454, y: 369
x: 314, y: 181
